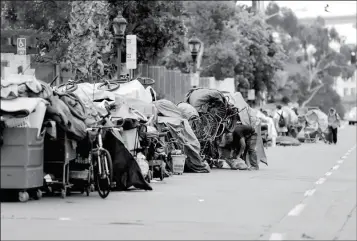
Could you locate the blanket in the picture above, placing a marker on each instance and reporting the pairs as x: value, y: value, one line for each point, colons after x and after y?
x: 127, y: 172
x: 20, y: 107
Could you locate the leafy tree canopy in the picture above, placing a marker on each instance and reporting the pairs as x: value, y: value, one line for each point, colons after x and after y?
x: 312, y: 62
x: 236, y: 43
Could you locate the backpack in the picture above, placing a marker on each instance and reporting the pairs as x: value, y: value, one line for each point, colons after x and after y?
x: 281, y: 121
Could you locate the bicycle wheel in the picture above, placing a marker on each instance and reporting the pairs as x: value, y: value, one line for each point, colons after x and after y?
x: 112, y: 86
x: 104, y: 180
x: 68, y: 87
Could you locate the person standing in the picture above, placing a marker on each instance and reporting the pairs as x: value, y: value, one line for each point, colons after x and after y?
x: 280, y: 120
x: 334, y: 121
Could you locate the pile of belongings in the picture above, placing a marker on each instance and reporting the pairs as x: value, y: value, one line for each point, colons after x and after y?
x: 70, y: 113
x: 215, y: 102
x: 180, y: 129
x: 287, y: 141
x: 314, y: 124
x: 130, y: 168
x: 24, y: 102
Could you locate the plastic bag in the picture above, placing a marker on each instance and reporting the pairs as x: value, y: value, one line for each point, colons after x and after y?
x: 241, y: 164
x: 143, y: 164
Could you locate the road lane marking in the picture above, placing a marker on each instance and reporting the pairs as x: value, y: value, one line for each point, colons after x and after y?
x: 320, y: 181
x: 344, y: 157
x: 297, y: 210
x: 276, y: 236
x: 335, y: 167
x: 340, y: 161
x: 309, y: 193
x: 328, y: 173
x: 64, y: 219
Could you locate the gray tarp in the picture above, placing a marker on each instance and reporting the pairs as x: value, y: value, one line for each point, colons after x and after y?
x: 181, y: 130
x: 187, y: 110
x: 203, y: 98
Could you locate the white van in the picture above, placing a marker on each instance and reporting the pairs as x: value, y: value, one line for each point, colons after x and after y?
x: 351, y: 116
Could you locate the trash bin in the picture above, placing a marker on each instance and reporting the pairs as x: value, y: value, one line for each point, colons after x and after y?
x: 22, y: 162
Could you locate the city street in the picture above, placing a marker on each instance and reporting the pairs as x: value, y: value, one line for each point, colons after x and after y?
x: 306, y: 192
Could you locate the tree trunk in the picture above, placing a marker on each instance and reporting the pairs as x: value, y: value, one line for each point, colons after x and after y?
x: 312, y: 95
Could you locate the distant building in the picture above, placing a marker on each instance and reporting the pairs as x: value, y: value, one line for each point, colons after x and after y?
x: 347, y: 89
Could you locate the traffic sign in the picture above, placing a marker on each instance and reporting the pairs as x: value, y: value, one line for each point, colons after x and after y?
x: 21, y: 46
x: 131, y: 51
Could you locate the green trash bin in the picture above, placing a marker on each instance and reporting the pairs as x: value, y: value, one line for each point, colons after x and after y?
x: 22, y: 162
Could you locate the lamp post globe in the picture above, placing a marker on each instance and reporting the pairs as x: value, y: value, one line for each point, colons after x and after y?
x: 195, y: 46
x: 119, y: 26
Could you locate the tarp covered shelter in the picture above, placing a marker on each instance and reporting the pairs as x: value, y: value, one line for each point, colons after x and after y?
x: 317, y: 117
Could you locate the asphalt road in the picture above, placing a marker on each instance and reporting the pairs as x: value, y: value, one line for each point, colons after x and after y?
x: 306, y: 192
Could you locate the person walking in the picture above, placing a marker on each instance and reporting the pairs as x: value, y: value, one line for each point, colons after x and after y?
x: 281, y: 121
x: 243, y: 141
x: 334, y: 122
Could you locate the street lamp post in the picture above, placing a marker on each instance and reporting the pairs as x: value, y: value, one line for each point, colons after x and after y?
x: 195, y: 46
x: 119, y: 26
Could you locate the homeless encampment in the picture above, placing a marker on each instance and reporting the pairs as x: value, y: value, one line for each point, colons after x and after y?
x: 70, y: 113
x: 127, y: 171
x: 180, y: 129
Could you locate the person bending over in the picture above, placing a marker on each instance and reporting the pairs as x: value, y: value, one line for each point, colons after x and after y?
x: 243, y: 141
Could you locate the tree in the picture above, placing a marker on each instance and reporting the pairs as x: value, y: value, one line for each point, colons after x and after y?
x: 80, y: 32
x: 208, y: 22
x: 157, y: 25
x: 39, y: 15
x: 236, y: 43
x: 90, y: 37
x: 312, y: 62
x: 49, y: 19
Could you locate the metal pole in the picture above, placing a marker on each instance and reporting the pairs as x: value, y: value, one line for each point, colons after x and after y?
x: 194, y: 69
x: 119, y: 59
x: 194, y: 57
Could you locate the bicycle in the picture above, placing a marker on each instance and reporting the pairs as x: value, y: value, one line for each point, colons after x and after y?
x: 102, y: 168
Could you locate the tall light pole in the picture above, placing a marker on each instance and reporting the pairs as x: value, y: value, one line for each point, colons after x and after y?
x: 195, y: 46
x: 119, y: 26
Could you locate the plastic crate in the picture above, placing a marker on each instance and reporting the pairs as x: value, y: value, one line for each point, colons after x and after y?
x: 22, y: 159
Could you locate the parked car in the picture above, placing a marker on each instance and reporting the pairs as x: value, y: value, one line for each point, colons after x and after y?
x: 351, y: 116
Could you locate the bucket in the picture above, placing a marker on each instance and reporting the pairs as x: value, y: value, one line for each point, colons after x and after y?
x: 178, y: 164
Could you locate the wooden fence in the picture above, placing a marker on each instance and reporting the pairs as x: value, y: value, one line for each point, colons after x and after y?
x: 169, y: 84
